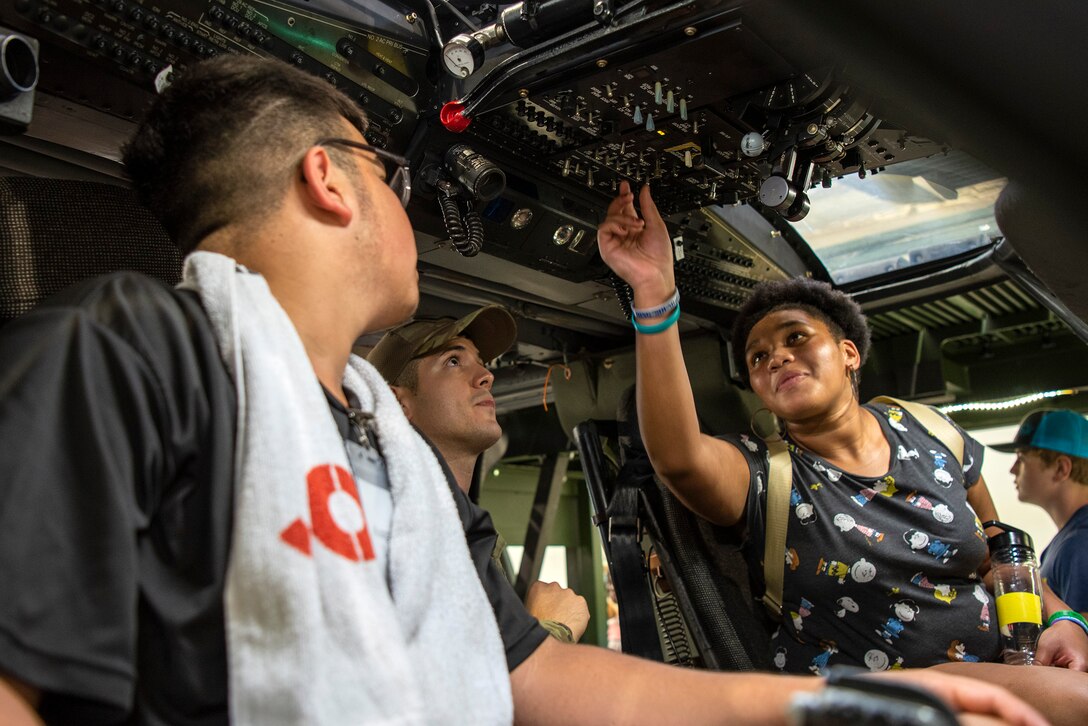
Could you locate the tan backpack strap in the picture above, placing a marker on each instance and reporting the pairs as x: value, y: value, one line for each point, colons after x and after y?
x: 779, y: 484
x: 934, y: 422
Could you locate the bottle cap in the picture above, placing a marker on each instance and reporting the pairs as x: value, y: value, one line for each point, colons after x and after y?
x: 1011, y: 537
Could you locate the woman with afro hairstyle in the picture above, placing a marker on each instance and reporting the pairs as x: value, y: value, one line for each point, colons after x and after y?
x: 884, y: 554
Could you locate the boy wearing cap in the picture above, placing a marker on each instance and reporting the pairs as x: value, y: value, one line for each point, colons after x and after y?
x: 1051, y: 471
x: 436, y: 369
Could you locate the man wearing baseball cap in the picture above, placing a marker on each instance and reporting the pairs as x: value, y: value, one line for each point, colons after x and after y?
x: 436, y: 369
x: 1051, y: 471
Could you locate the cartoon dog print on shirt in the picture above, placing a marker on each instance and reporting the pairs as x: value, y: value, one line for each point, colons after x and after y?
x: 886, y: 486
x: 846, y: 605
x: 831, y: 474
x: 904, y: 455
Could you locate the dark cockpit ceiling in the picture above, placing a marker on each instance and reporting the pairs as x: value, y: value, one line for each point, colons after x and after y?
x: 736, y: 113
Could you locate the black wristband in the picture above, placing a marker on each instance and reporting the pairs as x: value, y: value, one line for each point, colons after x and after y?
x: 853, y: 697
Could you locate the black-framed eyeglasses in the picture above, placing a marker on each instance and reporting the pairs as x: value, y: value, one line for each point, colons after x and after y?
x: 397, y: 175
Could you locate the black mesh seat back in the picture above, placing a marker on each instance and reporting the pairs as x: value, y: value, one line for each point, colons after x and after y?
x: 703, y: 562
x: 55, y: 232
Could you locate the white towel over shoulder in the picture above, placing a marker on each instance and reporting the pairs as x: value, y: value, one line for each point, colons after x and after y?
x: 314, y: 633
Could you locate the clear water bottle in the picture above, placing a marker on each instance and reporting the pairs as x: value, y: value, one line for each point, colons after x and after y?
x: 1018, y: 593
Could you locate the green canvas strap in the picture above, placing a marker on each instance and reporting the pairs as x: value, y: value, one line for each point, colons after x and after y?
x: 780, y: 481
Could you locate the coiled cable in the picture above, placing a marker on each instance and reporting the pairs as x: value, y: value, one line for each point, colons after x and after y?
x: 474, y: 235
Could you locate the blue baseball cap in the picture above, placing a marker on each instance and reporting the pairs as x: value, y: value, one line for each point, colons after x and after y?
x: 1058, y: 430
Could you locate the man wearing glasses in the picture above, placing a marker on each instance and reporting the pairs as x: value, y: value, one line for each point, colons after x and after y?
x: 211, y: 512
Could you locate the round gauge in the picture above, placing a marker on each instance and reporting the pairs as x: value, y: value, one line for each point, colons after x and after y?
x: 800, y: 91
x: 521, y: 218
x: 462, y: 56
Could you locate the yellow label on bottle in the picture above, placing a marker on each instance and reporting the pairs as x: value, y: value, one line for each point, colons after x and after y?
x: 1019, y: 607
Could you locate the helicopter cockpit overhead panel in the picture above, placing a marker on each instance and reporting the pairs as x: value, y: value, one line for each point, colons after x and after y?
x: 521, y: 121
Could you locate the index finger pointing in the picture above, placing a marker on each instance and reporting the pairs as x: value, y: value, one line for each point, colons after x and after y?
x: 623, y: 205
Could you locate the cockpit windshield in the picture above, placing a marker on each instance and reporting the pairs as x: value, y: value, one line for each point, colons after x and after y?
x: 912, y: 213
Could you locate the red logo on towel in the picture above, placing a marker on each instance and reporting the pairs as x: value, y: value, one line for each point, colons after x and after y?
x: 336, y: 515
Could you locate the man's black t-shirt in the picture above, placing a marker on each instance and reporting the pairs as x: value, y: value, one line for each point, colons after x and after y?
x: 116, y: 486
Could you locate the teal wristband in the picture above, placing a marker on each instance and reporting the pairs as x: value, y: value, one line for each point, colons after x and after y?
x: 1070, y: 615
x: 658, y: 327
